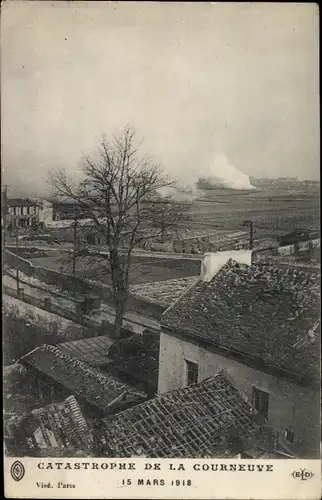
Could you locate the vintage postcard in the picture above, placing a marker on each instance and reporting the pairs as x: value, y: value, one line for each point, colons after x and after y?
x: 160, y: 215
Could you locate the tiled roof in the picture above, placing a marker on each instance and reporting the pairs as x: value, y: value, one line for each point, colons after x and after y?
x: 165, y: 292
x: 260, y: 311
x: 60, y: 424
x: 21, y: 202
x: 204, y: 419
x: 97, y: 388
x: 92, y: 351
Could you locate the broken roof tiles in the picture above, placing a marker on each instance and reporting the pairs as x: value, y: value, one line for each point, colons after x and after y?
x: 204, y: 419
x: 58, y: 425
x: 259, y: 311
x: 97, y: 388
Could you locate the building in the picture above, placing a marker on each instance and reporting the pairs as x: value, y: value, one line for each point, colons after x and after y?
x: 261, y: 324
x: 208, y: 419
x: 54, y: 374
x: 28, y: 212
x: 134, y: 360
x: 58, y: 427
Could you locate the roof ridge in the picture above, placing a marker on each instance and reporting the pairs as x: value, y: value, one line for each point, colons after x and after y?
x: 100, y: 376
x: 186, y: 291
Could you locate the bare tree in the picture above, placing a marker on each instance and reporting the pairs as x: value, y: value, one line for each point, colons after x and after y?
x: 169, y: 217
x: 118, y: 192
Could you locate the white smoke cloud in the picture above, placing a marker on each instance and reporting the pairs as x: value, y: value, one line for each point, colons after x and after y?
x: 180, y: 192
x: 222, y: 173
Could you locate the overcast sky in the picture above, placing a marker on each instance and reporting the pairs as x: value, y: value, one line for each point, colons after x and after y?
x: 195, y: 80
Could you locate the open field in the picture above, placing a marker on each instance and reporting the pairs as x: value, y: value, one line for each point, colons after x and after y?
x: 274, y: 210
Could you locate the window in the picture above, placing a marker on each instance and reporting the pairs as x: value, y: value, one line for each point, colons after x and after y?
x: 289, y: 435
x: 35, y: 210
x: 28, y: 210
x: 261, y: 402
x: 21, y: 210
x: 191, y: 373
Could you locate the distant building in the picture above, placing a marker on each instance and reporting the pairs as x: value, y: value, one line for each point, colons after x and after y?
x: 28, y: 212
x: 261, y: 324
x: 67, y: 209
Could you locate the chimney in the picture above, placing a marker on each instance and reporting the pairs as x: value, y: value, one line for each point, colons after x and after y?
x: 213, y: 262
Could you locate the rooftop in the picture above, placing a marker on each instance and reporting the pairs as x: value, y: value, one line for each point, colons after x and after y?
x: 264, y: 312
x: 92, y: 351
x: 97, y: 388
x: 22, y: 202
x: 58, y: 425
x: 165, y: 292
x: 210, y: 418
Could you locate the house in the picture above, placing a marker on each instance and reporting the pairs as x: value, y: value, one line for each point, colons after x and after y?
x: 261, y: 324
x: 208, y: 419
x: 54, y: 374
x: 28, y: 212
x: 134, y: 360
x: 58, y: 426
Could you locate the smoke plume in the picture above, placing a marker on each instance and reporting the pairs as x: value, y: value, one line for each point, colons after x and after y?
x: 222, y: 174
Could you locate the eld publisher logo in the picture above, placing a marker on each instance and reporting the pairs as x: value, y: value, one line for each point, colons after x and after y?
x: 17, y: 471
x: 302, y: 474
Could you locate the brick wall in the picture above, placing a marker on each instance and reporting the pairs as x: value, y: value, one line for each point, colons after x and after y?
x: 290, y: 406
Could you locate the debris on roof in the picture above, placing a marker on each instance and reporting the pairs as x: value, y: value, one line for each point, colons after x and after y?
x: 58, y: 425
x: 260, y: 311
x: 207, y: 419
x: 97, y: 388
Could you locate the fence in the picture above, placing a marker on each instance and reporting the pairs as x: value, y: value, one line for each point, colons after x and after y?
x: 81, y: 286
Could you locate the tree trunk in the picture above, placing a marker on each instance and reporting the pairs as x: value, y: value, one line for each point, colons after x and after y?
x: 119, y: 292
x: 118, y: 323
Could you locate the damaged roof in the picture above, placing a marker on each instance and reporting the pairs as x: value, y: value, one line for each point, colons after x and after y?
x: 97, y: 388
x: 204, y: 419
x: 58, y: 425
x: 266, y: 313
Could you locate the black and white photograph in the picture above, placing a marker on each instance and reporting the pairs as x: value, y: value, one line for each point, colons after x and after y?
x: 160, y: 215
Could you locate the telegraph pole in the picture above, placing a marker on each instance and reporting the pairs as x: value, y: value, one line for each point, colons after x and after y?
x: 4, y: 215
x: 74, y: 242
x: 250, y: 224
x: 17, y: 268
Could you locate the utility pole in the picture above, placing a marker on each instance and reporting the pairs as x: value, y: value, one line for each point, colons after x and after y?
x: 74, y: 242
x: 250, y: 224
x: 17, y: 268
x: 4, y: 215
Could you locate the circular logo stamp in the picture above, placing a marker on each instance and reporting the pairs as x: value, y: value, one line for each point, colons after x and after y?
x: 17, y: 471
